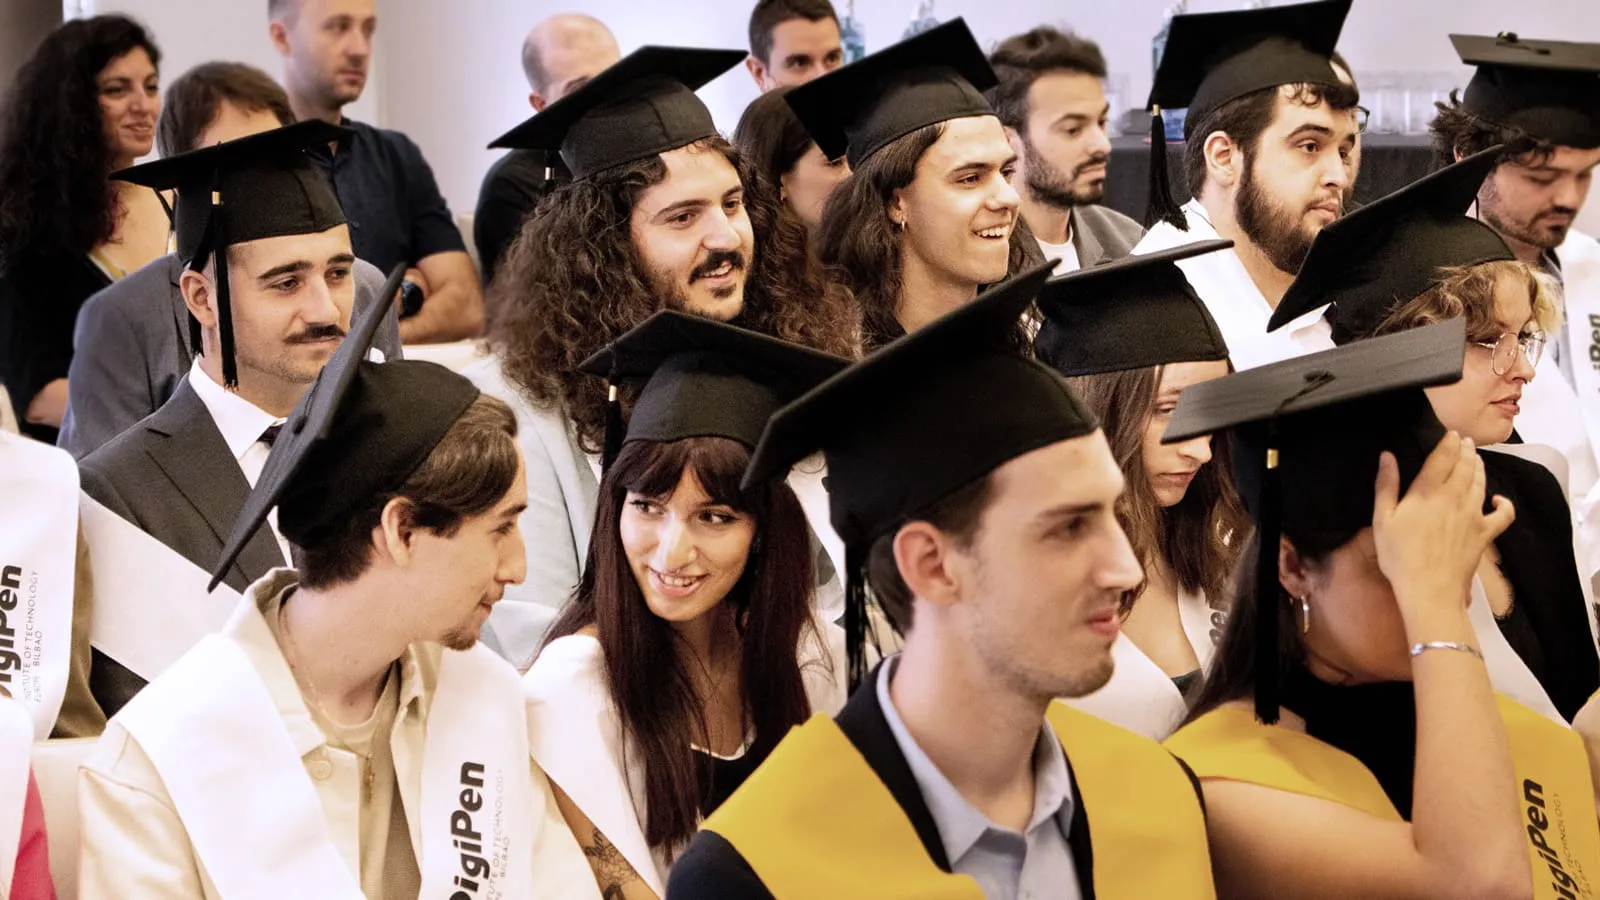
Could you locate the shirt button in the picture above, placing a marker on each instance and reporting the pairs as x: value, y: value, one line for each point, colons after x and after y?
x: 321, y: 769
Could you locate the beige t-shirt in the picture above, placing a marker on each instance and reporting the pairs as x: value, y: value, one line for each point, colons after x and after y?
x: 389, y: 868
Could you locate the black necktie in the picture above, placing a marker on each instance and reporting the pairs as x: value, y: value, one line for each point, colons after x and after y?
x: 271, y: 434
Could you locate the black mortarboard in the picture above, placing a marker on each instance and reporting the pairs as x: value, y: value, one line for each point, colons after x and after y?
x: 703, y: 378
x: 1373, y: 260
x: 1212, y: 58
x: 924, y: 416
x: 639, y: 107
x: 1311, y: 429
x: 243, y: 190
x: 856, y: 110
x: 1134, y: 313
x: 1549, y: 90
x: 358, y: 433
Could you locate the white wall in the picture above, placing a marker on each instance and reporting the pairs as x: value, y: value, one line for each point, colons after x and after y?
x: 449, y: 73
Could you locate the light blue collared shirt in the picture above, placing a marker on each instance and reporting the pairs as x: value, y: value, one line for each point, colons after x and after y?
x: 1006, y: 865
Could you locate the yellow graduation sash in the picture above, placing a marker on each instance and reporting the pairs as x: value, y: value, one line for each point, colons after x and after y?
x: 816, y: 821
x: 1552, y: 771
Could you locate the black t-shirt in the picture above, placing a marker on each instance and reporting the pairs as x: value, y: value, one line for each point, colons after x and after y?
x: 513, y: 187
x: 39, y: 303
x: 395, y: 211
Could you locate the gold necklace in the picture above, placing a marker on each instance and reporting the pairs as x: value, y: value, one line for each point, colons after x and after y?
x: 368, y: 775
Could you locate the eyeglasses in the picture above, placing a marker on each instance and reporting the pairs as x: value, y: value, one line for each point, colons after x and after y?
x: 1503, y: 350
x: 1362, y: 115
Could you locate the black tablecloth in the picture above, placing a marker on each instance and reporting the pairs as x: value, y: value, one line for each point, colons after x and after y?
x: 1388, y: 163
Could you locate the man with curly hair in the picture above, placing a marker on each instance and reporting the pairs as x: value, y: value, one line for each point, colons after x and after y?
x: 661, y: 213
x: 1540, y: 101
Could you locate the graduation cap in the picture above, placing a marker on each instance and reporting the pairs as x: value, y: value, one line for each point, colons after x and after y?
x: 938, y: 75
x: 1134, y: 313
x: 703, y: 378
x: 919, y: 419
x: 641, y: 106
x: 256, y: 187
x: 359, y: 432
x: 1311, y: 429
x: 1374, y: 259
x: 1212, y: 58
x: 1549, y: 90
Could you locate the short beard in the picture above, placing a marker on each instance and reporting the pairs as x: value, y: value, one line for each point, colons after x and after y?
x: 1527, y: 233
x: 460, y: 637
x: 1047, y: 185
x: 1276, y: 232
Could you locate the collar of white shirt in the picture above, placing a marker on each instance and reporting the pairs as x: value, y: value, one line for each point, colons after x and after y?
x: 240, y: 421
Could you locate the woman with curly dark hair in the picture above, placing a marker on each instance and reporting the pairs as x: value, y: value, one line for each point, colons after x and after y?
x: 1131, y: 336
x: 928, y: 217
x: 771, y: 137
x: 83, y: 106
x: 661, y: 214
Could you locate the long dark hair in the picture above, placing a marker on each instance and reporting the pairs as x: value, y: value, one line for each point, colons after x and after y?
x: 1199, y: 536
x: 770, y: 135
x: 54, y: 156
x: 644, y: 668
x: 573, y: 282
x: 859, y: 241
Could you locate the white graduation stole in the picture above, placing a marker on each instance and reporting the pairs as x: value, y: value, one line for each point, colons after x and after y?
x: 38, y: 562
x: 16, y: 743
x: 1508, y: 674
x: 253, y: 814
x: 151, y: 604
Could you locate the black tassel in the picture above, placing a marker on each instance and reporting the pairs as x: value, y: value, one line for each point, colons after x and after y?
x: 855, y: 614
x: 612, y: 444
x: 219, y: 254
x: 1160, y: 206
x: 1269, y: 596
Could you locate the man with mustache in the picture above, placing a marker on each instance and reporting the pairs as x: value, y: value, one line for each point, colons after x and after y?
x: 268, y: 276
x: 1540, y: 100
x: 661, y: 213
x: 1270, y: 143
x: 1052, y: 101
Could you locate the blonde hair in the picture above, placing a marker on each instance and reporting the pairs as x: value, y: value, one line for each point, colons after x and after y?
x: 1469, y: 291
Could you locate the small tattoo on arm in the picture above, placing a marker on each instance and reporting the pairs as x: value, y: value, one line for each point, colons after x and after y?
x: 611, y: 870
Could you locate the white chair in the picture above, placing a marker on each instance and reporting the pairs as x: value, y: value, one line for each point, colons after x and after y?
x: 55, y: 768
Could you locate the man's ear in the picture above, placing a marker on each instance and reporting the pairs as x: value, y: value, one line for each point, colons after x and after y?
x: 897, y: 209
x: 199, y: 297
x: 924, y: 555
x: 1014, y: 138
x: 278, y: 31
x: 537, y: 101
x: 758, y: 71
x: 395, y: 532
x: 1224, y: 161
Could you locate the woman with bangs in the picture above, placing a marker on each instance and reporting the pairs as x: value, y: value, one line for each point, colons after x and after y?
x: 691, y: 647
x: 1433, y: 264
x: 1130, y: 336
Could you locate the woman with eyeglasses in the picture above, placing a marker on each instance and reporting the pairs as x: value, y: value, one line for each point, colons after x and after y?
x: 1413, y: 259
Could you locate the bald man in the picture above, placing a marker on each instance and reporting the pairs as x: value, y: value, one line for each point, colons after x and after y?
x: 559, y: 55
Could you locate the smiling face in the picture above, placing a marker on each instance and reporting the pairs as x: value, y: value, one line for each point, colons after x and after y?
x: 693, y: 234
x: 1171, y: 468
x: 1064, y: 149
x: 686, y: 551
x: 130, y: 104
x: 1483, y: 405
x: 957, y: 214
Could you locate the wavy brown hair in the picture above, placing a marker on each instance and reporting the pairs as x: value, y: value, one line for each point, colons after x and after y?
x: 859, y: 241
x: 573, y: 282
x: 1469, y: 291
x: 646, y: 673
x: 1198, y: 537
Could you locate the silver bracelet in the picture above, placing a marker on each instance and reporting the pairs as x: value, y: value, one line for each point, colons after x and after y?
x: 1419, y: 649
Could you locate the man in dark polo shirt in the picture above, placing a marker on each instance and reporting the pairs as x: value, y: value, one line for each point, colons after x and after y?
x: 559, y: 56
x: 386, y: 188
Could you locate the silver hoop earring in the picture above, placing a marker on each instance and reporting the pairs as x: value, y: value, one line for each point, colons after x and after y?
x: 1305, y: 615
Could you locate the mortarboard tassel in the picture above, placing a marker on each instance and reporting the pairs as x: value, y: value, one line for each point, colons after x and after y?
x: 1160, y: 206
x: 855, y: 614
x: 1268, y: 593
x: 612, y: 444
x: 219, y: 253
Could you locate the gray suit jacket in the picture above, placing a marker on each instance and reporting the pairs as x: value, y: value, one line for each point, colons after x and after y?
x: 172, y: 475
x: 1101, y: 234
x: 132, y: 350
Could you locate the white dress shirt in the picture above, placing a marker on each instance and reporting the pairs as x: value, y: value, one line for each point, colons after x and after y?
x: 242, y: 424
x: 1233, y: 299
